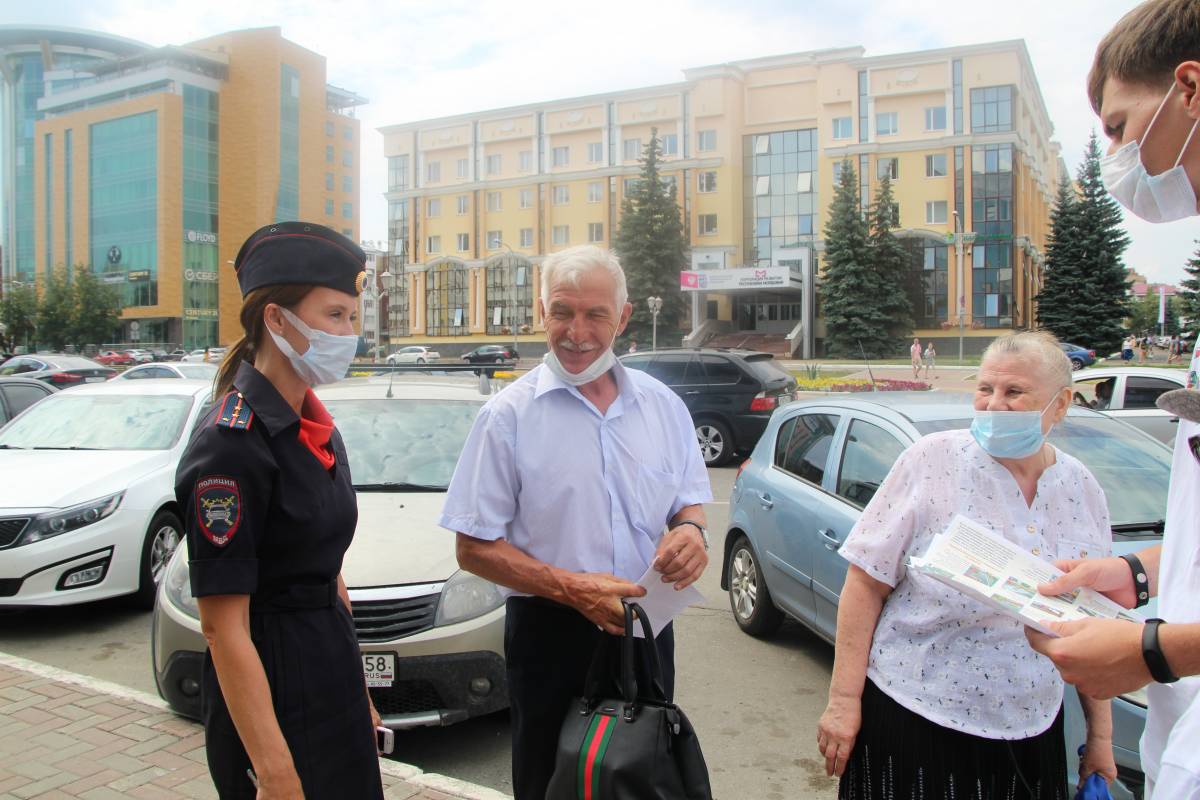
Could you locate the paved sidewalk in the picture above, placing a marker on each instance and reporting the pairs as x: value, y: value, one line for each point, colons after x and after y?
x: 64, y: 735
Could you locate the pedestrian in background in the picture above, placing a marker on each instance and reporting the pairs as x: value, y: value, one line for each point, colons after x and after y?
x: 930, y: 358
x: 632, y: 346
x: 934, y: 694
x: 914, y: 353
x: 1127, y: 348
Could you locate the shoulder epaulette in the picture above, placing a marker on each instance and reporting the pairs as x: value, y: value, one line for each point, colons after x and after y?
x: 235, y: 413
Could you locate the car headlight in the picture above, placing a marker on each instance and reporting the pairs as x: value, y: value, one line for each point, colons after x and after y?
x: 55, y: 523
x: 177, y: 584
x: 1137, y: 697
x: 466, y: 596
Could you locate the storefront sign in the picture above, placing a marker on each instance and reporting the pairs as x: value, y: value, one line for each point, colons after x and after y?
x: 722, y: 279
x: 199, y: 313
x: 139, y: 275
x: 112, y: 277
x: 200, y: 237
x: 204, y: 277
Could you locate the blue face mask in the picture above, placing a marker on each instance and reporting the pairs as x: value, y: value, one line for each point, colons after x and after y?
x: 1009, y: 434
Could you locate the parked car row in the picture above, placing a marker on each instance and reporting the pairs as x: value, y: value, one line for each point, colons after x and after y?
x: 60, y: 370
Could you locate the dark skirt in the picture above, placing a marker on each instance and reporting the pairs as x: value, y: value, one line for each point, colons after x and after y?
x: 900, y: 755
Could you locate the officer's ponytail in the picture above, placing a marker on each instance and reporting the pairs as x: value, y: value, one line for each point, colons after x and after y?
x: 254, y: 305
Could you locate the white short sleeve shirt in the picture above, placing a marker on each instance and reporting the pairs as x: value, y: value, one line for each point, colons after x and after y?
x: 936, y: 651
x: 574, y: 488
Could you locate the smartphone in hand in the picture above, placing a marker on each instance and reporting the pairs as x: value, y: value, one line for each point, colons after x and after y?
x: 385, y: 740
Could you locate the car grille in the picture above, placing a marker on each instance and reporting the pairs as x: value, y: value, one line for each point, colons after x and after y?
x: 11, y: 528
x: 406, y: 697
x: 386, y: 620
x: 10, y: 586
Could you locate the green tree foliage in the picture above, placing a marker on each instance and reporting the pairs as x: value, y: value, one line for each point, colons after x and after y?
x: 97, y: 309
x: 1189, y: 296
x: 892, y: 265
x: 653, y: 248
x: 1084, y: 299
x: 18, y: 313
x: 56, y: 311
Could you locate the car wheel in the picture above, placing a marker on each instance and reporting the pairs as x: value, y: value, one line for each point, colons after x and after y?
x: 420, y: 361
x: 1076, y: 365
x: 749, y: 597
x: 162, y: 537
x: 498, y: 360
x: 716, y: 445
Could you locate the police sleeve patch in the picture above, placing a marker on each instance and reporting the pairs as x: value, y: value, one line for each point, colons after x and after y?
x: 218, y: 508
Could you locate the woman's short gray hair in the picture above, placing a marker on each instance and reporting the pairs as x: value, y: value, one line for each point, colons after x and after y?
x: 568, y: 266
x: 1041, y: 346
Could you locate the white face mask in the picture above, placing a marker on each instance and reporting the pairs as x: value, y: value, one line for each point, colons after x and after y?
x: 327, y: 358
x: 1155, y: 198
x: 603, y: 363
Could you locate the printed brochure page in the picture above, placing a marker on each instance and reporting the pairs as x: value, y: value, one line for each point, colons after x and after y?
x: 978, y: 562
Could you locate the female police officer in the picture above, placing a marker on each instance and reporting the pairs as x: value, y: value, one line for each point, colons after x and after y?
x: 271, y: 511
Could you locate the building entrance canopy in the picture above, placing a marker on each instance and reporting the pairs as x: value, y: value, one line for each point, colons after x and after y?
x: 739, y: 280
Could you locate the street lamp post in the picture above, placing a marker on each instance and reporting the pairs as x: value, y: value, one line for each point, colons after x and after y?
x: 962, y: 291
x: 655, y: 305
x: 512, y: 306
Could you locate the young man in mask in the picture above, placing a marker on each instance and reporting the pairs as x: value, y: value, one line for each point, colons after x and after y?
x: 1144, y: 86
x: 573, y: 482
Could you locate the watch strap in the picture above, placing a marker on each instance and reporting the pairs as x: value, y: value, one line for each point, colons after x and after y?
x: 1141, y: 580
x: 699, y: 527
x: 1153, y: 654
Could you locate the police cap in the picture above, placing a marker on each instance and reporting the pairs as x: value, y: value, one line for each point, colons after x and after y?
x: 300, y: 253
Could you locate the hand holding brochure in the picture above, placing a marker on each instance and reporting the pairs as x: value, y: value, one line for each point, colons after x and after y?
x: 995, y: 571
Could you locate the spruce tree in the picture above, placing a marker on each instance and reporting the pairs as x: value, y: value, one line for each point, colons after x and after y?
x: 892, y: 264
x: 849, y: 284
x: 1062, y: 301
x: 1189, y: 295
x: 653, y: 248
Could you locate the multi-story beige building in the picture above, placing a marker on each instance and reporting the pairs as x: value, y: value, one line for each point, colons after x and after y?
x: 754, y: 148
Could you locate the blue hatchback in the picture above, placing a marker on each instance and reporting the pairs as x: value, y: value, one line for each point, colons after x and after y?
x: 821, y: 461
x: 1080, y: 356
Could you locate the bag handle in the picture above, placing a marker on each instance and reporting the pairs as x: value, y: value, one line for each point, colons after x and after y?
x: 628, y: 670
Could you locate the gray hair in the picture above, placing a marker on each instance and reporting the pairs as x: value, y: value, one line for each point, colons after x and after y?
x: 1040, y: 346
x: 568, y: 266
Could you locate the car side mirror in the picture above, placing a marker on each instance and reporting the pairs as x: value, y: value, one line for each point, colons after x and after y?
x: 485, y: 383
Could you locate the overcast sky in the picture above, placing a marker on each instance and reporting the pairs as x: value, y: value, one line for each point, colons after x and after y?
x: 416, y: 59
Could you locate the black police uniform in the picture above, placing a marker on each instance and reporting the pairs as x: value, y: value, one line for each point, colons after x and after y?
x: 266, y: 519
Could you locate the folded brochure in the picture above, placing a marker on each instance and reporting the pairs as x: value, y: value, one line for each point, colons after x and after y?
x: 998, y: 573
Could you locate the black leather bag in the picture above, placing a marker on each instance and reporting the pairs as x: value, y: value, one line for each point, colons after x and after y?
x: 638, y: 746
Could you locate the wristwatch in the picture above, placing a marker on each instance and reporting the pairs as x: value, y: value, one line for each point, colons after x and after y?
x: 703, y: 530
x: 1152, y: 652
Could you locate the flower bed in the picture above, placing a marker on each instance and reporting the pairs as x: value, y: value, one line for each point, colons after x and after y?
x: 859, y: 385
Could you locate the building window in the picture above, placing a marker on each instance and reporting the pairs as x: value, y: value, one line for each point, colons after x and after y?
x: 707, y: 224
x: 928, y: 284
x: 837, y: 172
x: 526, y: 198
x: 706, y: 141
x: 348, y: 133
x: 347, y: 183
x: 329, y: 206
x: 595, y: 231
x: 887, y: 168
x: 779, y: 203
x: 935, y: 118
x: 347, y: 210
x: 843, y: 128
x: 433, y: 207
x: 328, y: 154
x: 762, y: 185
x: 804, y: 182
x: 595, y: 152
x: 433, y: 172
x: 446, y: 299
x: 433, y: 244
x: 887, y: 123
x: 993, y: 174
x: 936, y: 212
x: 669, y: 184
x: 329, y: 184
x: 347, y: 158
x: 328, y: 128
x: 495, y: 201
x: 561, y: 234
x: 935, y: 165
x: 560, y: 156
x: 595, y: 192
x: 895, y: 215
x: 632, y: 149
x: 461, y: 168
x: 397, y: 173
x: 509, y: 294
x: 991, y: 109
x: 464, y: 204
x: 706, y: 182
x: 630, y: 185
x: 562, y: 195
x: 494, y: 240
x: 464, y: 242
x: 525, y: 159
x: 670, y: 144
x: 526, y: 237
x: 494, y: 164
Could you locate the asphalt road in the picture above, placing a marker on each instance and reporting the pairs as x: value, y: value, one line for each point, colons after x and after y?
x: 754, y: 703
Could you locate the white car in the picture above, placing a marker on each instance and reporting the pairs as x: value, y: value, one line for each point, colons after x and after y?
x: 197, y: 372
x: 1129, y: 394
x: 87, y: 504
x: 215, y: 354
x: 413, y: 354
x: 140, y: 356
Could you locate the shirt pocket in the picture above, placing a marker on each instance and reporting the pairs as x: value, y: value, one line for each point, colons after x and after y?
x: 1072, y: 548
x: 656, y: 494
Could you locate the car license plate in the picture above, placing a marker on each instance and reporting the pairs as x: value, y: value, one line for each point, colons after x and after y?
x: 94, y: 380
x: 380, y: 669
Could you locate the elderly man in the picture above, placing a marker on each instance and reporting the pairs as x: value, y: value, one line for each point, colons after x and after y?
x: 562, y: 494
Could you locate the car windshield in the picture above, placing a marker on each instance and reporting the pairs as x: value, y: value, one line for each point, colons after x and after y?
x: 100, y: 422
x: 1132, y: 468
x: 201, y: 371
x: 401, y: 444
x: 767, y: 370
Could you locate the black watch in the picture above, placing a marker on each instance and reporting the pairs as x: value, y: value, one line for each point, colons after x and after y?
x: 1152, y: 652
x: 699, y: 527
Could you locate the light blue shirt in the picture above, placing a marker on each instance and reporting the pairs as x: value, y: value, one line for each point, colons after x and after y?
x: 574, y: 488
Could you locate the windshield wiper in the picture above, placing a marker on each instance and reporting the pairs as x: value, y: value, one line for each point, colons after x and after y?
x: 1137, y: 527
x: 11, y: 447
x: 397, y: 487
x: 70, y: 447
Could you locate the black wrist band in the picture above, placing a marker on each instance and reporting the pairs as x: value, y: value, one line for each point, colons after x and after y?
x: 1141, y: 581
x: 1153, y: 654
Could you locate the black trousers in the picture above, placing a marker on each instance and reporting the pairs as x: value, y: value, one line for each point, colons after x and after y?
x: 548, y: 648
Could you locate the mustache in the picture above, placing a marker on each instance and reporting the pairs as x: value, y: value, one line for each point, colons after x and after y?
x: 585, y: 347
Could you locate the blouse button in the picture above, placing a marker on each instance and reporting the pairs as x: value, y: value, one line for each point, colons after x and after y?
x: 1083, y: 553
x: 1037, y: 551
x: 1031, y: 528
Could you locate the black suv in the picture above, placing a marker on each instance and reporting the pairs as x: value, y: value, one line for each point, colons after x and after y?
x: 730, y: 393
x: 491, y: 354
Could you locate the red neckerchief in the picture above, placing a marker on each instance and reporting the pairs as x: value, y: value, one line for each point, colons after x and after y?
x: 316, y: 426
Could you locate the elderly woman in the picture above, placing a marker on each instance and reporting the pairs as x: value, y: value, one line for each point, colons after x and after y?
x: 934, y: 694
